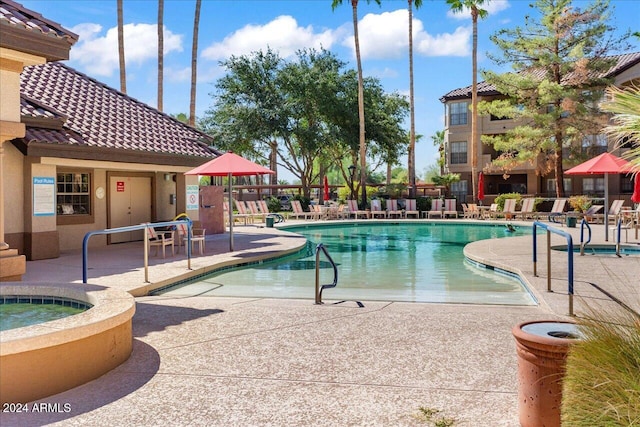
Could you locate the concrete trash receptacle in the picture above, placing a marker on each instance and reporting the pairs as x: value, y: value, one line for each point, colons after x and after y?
x: 542, y: 348
x: 269, y: 220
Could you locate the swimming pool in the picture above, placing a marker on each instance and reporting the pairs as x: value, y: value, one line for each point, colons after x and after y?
x: 415, y: 262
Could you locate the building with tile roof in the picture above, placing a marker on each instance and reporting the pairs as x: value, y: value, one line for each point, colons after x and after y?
x: 523, y: 179
x: 77, y: 155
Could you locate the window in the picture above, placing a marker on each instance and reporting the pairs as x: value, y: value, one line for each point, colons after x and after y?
x: 73, y: 193
x: 459, y: 190
x: 458, y: 113
x: 593, y: 145
x: 551, y: 186
x: 592, y: 185
x: 458, y: 153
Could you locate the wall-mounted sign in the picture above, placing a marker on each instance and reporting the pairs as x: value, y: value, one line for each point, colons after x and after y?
x: 44, y: 196
x: 120, y: 186
x: 192, y: 197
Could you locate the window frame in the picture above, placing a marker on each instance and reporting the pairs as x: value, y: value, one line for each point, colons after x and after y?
x: 458, y: 154
x: 459, y: 115
x: 75, y: 218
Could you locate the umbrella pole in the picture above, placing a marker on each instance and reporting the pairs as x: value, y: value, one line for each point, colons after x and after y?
x: 606, y: 207
x: 230, y: 216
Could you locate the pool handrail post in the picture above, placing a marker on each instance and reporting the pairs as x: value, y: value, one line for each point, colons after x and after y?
x: 618, y: 236
x: 319, y: 289
x: 318, y: 300
x: 569, y: 257
x: 143, y: 226
x: 583, y: 244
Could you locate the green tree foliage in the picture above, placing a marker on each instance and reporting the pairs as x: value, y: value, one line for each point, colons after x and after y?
x: 303, y: 114
x: 559, y: 60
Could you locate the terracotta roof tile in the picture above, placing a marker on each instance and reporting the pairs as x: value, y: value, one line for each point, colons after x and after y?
x: 106, y: 118
x: 13, y: 13
x: 622, y: 63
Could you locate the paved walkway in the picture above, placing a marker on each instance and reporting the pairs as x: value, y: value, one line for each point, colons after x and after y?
x: 238, y: 361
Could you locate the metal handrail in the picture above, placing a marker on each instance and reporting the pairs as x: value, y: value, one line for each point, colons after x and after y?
x: 319, y: 288
x: 583, y: 244
x: 618, y: 236
x: 569, y: 257
x: 144, y: 226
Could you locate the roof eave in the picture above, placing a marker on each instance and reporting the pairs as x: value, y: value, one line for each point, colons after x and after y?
x: 34, y: 43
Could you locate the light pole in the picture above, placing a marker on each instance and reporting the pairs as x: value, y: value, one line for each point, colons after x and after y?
x: 352, y: 171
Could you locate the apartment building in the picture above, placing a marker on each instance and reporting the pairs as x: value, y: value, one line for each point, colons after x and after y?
x: 523, y: 179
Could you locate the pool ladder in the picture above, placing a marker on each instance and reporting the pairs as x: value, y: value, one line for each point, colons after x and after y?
x: 320, y: 288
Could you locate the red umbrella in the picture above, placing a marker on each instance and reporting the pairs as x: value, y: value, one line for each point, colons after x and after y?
x: 481, y: 186
x: 230, y: 164
x: 327, y: 196
x: 636, y: 189
x: 605, y: 163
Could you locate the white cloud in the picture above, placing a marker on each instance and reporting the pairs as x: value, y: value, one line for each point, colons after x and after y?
x: 492, y: 7
x: 98, y: 55
x: 385, y: 36
x: 283, y: 35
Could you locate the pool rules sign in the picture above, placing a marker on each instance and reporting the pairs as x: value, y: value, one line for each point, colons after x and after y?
x: 192, y: 197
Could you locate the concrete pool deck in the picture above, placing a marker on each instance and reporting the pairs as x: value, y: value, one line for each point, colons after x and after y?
x: 241, y: 361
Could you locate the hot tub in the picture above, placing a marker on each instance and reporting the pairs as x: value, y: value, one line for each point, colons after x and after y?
x: 41, y: 360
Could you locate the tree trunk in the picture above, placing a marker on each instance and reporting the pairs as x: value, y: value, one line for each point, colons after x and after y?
x: 363, y: 147
x: 160, y: 53
x: 194, y: 65
x: 474, y: 106
x: 123, y: 76
x: 411, y: 161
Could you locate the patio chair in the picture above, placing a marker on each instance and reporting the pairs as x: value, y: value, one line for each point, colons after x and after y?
x: 450, y: 208
x: 557, y: 210
x: 470, y: 211
x: 197, y: 237
x: 376, y: 209
x: 242, y: 212
x: 299, y: 212
x: 614, y: 211
x: 591, y: 214
x: 319, y: 212
x: 255, y: 212
x: 264, y: 208
x: 392, y: 209
x: 436, y: 208
x: 160, y: 240
x: 342, y: 212
x: 355, y: 211
x: 509, y: 210
x: 492, y: 212
x: 526, y: 211
x: 410, y: 208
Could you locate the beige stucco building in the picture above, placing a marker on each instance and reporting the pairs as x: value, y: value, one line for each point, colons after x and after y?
x: 523, y: 179
x: 77, y: 155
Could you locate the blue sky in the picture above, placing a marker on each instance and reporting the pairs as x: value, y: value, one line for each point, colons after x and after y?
x: 442, y: 44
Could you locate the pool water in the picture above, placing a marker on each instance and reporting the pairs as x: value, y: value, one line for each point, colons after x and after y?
x: 416, y: 262
x: 25, y: 314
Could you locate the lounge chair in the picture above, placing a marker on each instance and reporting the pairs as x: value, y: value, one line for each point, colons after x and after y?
x: 591, y: 214
x: 509, y: 210
x: 393, y: 210
x: 299, y: 212
x: 492, y: 212
x: 242, y: 212
x: 376, y: 209
x: 264, y: 208
x: 160, y: 240
x: 197, y: 237
x: 557, y: 210
x: 255, y: 212
x: 355, y: 211
x: 450, y: 208
x: 526, y: 211
x: 470, y: 211
x: 410, y: 208
x: 614, y: 210
x: 436, y: 209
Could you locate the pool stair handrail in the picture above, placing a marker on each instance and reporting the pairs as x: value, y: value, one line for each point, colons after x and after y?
x: 584, y: 223
x: 144, y: 227
x: 320, y: 247
x: 618, y: 237
x: 569, y: 238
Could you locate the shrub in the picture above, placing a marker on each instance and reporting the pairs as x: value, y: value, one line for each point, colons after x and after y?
x: 502, y: 197
x: 602, y: 382
x: 273, y: 204
x: 580, y: 203
x: 423, y: 203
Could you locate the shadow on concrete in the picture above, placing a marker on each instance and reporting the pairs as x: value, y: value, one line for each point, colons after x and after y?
x: 154, y: 318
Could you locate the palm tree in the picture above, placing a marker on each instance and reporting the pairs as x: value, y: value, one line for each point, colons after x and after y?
x: 160, y: 52
x: 473, y: 5
x: 194, y: 65
x: 624, y: 103
x: 363, y: 147
x: 123, y: 76
x: 411, y: 162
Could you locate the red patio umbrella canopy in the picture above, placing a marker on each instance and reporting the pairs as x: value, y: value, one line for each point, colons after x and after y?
x: 230, y: 164
x: 604, y: 163
x: 481, y: 186
x: 327, y: 196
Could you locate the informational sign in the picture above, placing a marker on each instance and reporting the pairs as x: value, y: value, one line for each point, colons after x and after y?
x: 192, y: 197
x: 44, y: 196
x: 120, y: 186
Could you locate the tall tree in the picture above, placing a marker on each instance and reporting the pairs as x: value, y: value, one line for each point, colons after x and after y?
x: 458, y: 6
x: 560, y: 61
x: 160, y: 53
x: 362, y: 138
x: 123, y: 75
x: 194, y: 64
x: 411, y: 157
x: 624, y: 103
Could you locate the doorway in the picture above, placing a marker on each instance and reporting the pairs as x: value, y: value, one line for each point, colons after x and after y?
x: 129, y: 204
